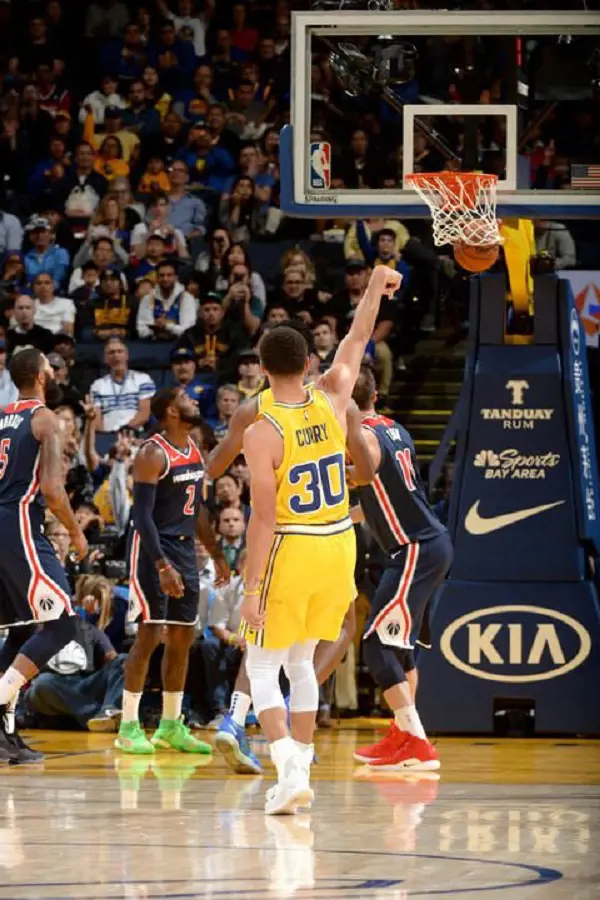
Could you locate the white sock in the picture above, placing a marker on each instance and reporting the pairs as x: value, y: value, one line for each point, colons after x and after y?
x: 238, y: 709
x: 131, y: 706
x: 172, y: 701
x: 10, y: 684
x: 9, y: 714
x: 282, y: 751
x: 407, y: 719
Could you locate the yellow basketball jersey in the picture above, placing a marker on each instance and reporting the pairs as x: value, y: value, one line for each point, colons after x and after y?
x: 311, y: 480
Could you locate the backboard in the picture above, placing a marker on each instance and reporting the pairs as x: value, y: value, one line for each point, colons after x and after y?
x: 508, y: 93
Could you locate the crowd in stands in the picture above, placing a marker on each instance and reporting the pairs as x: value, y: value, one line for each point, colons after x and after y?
x: 141, y: 245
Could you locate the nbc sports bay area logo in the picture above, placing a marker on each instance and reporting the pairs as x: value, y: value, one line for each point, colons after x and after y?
x: 512, y: 464
x: 517, y: 415
x: 516, y: 643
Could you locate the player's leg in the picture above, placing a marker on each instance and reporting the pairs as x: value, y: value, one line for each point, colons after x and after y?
x: 329, y: 654
x: 172, y: 732
x: 231, y: 740
x: 304, y: 700
x: 131, y: 737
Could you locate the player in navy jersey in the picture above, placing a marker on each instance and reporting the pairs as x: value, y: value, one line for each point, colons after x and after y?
x: 33, y: 586
x: 418, y: 555
x: 164, y: 584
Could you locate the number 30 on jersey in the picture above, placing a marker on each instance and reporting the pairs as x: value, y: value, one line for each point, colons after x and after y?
x: 320, y: 483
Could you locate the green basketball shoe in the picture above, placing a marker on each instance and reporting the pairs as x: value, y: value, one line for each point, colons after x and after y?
x: 132, y: 739
x: 175, y: 735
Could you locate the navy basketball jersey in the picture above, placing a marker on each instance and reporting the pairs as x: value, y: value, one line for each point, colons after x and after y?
x: 395, y: 504
x: 19, y: 462
x: 179, y: 490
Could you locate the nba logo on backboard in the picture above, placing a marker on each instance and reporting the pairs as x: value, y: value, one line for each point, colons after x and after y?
x: 320, y: 166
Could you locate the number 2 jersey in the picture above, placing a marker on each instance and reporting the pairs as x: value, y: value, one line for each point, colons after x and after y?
x: 395, y: 504
x: 311, y: 480
x: 179, y: 490
x: 19, y: 466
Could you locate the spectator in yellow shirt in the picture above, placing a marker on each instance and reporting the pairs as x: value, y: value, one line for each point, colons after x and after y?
x: 113, y: 125
x: 109, y: 160
x: 155, y: 180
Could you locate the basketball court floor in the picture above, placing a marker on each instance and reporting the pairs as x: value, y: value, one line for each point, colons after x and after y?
x: 511, y: 819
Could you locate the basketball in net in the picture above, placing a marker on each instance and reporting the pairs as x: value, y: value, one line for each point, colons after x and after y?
x: 463, y: 212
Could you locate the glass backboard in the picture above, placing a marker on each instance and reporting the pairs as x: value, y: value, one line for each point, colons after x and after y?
x: 379, y: 94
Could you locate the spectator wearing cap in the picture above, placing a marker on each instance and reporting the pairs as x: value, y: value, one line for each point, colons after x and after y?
x: 172, y: 57
x: 192, y: 104
x: 167, y: 311
x: 139, y: 117
x: 209, y: 165
x: 25, y: 332
x: 100, y: 100
x: 8, y: 391
x: 186, y: 212
x: 52, y: 312
x: 113, y: 127
x: 125, y: 57
x: 251, y: 381
x: 188, y: 17
x: 100, y: 247
x: 48, y: 171
x: 11, y: 233
x: 200, y: 388
x: 123, y: 396
x: 110, y: 313
x: 63, y: 129
x: 158, y: 224
x: 45, y: 255
x: 213, y: 340
x: 82, y: 188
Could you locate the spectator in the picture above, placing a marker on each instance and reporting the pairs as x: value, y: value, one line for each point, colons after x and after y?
x: 139, y: 117
x: 38, y: 51
x: 175, y: 59
x: 231, y: 528
x: 211, y: 166
x: 113, y: 128
x: 553, y: 239
x: 100, y: 100
x: 123, y: 396
x: 200, y: 388
x: 168, y: 311
x: 186, y: 17
x: 45, y: 255
x: 36, y: 123
x: 237, y: 255
x: 251, y: 381
x: 187, y: 213
x: 165, y: 143
x: 276, y: 313
x: 120, y: 189
x: 70, y: 395
x: 226, y: 63
x: 12, y: 277
x: 48, y: 171
x: 154, y: 254
x: 109, y: 159
x: 81, y: 189
x: 242, y: 36
x: 359, y: 168
x: 104, y: 252
x: 240, y: 212
x: 25, y: 332
x: 53, y: 98
x: 105, y: 19
x: 228, y: 400
x: 223, y: 648
x: 8, y: 391
x: 11, y: 233
x: 155, y: 95
x: 57, y: 314
x: 158, y: 225
x: 239, y: 304
x: 246, y: 113
x: 252, y: 165
x: 193, y: 104
x: 210, y: 261
x: 325, y: 344
x: 228, y: 493
x: 155, y: 178
x: 109, y: 220
x: 125, y: 57
x: 111, y: 312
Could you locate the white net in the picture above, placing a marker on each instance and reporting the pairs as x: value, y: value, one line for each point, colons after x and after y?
x: 463, y: 206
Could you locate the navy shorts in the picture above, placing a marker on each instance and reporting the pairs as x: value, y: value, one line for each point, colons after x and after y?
x: 33, y: 584
x: 407, y: 584
x: 146, y: 600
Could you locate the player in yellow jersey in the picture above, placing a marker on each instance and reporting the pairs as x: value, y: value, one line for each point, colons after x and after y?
x: 299, y: 578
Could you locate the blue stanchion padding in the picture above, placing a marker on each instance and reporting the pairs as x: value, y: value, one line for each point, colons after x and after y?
x: 518, y: 641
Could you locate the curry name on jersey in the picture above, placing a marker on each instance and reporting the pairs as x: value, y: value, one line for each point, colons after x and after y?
x: 395, y: 504
x: 19, y: 461
x: 311, y: 480
x: 179, y: 490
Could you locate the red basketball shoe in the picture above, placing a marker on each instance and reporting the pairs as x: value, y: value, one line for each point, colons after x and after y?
x: 383, y: 749
x: 415, y: 754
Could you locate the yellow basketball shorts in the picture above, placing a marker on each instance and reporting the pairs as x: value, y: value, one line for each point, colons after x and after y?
x: 307, y: 589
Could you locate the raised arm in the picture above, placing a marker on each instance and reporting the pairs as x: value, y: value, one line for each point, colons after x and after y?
x: 52, y: 482
x: 231, y: 446
x: 263, y: 449
x: 339, y: 380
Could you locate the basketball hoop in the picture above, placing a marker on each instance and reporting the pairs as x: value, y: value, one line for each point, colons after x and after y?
x: 462, y: 204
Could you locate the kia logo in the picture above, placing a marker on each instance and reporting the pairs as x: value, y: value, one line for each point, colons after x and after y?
x: 514, y: 635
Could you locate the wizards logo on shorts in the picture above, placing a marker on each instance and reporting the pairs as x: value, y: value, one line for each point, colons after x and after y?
x: 320, y: 166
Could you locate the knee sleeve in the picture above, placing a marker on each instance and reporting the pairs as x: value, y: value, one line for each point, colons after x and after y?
x: 42, y: 646
x: 263, y: 667
x: 304, y: 687
x: 384, y: 662
x: 17, y: 637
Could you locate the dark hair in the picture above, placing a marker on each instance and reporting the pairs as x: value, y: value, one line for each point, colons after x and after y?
x: 320, y: 322
x: 161, y: 401
x: 159, y: 195
x: 25, y: 366
x: 226, y: 267
x: 111, y: 137
x: 283, y: 350
x: 166, y: 263
x: 365, y: 388
x: 386, y: 232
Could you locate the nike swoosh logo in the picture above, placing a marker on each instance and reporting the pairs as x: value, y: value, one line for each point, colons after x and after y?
x: 475, y: 524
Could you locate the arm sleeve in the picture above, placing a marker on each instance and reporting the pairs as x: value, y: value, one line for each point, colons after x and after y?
x: 144, y: 498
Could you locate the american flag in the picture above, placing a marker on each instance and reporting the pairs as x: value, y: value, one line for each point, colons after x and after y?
x: 584, y: 176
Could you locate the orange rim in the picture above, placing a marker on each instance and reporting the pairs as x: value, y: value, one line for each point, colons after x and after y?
x: 463, y: 187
